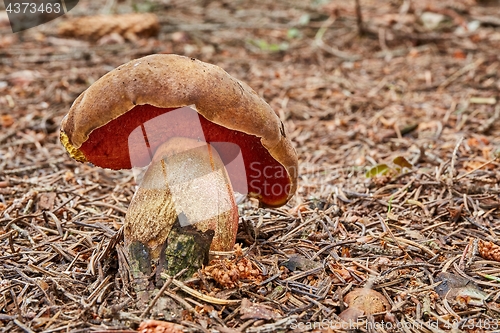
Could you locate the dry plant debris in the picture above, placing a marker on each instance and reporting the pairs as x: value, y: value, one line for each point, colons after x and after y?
x: 250, y: 310
x: 349, y: 102
x: 489, y: 250
x: 231, y: 273
x: 459, y: 289
x: 129, y: 26
x: 157, y: 326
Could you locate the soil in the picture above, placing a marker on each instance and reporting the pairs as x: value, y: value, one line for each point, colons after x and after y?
x: 393, y: 108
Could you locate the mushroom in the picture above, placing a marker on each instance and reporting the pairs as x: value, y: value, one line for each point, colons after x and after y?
x: 363, y: 301
x: 200, y: 133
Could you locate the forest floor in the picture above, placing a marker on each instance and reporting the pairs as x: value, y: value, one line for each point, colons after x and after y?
x: 396, y: 125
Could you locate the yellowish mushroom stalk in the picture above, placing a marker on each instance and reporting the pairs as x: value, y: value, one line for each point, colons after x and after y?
x: 186, y: 189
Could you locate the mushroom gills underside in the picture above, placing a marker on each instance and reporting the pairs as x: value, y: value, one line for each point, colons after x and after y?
x: 110, y: 146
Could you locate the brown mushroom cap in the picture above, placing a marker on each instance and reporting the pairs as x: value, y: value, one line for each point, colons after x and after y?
x: 366, y: 300
x: 98, y: 125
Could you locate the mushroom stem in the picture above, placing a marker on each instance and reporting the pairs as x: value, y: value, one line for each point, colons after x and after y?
x: 183, y: 208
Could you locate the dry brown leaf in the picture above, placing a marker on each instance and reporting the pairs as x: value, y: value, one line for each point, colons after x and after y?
x: 157, y: 326
x: 301, y: 263
x: 46, y: 201
x: 458, y: 288
x: 129, y: 26
x: 478, y: 141
x: 6, y: 120
x: 341, y: 271
x: 251, y: 310
x: 474, y: 165
x: 351, y: 315
x: 23, y: 78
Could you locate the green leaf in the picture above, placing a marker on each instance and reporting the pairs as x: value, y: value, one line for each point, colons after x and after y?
x: 144, y: 7
x: 491, y: 277
x: 304, y: 19
x: 379, y: 169
x: 293, y: 33
x: 270, y: 47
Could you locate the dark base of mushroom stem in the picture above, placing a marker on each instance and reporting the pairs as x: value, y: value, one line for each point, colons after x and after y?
x: 185, y: 248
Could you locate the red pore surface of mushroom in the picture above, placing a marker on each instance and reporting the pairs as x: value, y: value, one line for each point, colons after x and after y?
x: 265, y: 177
